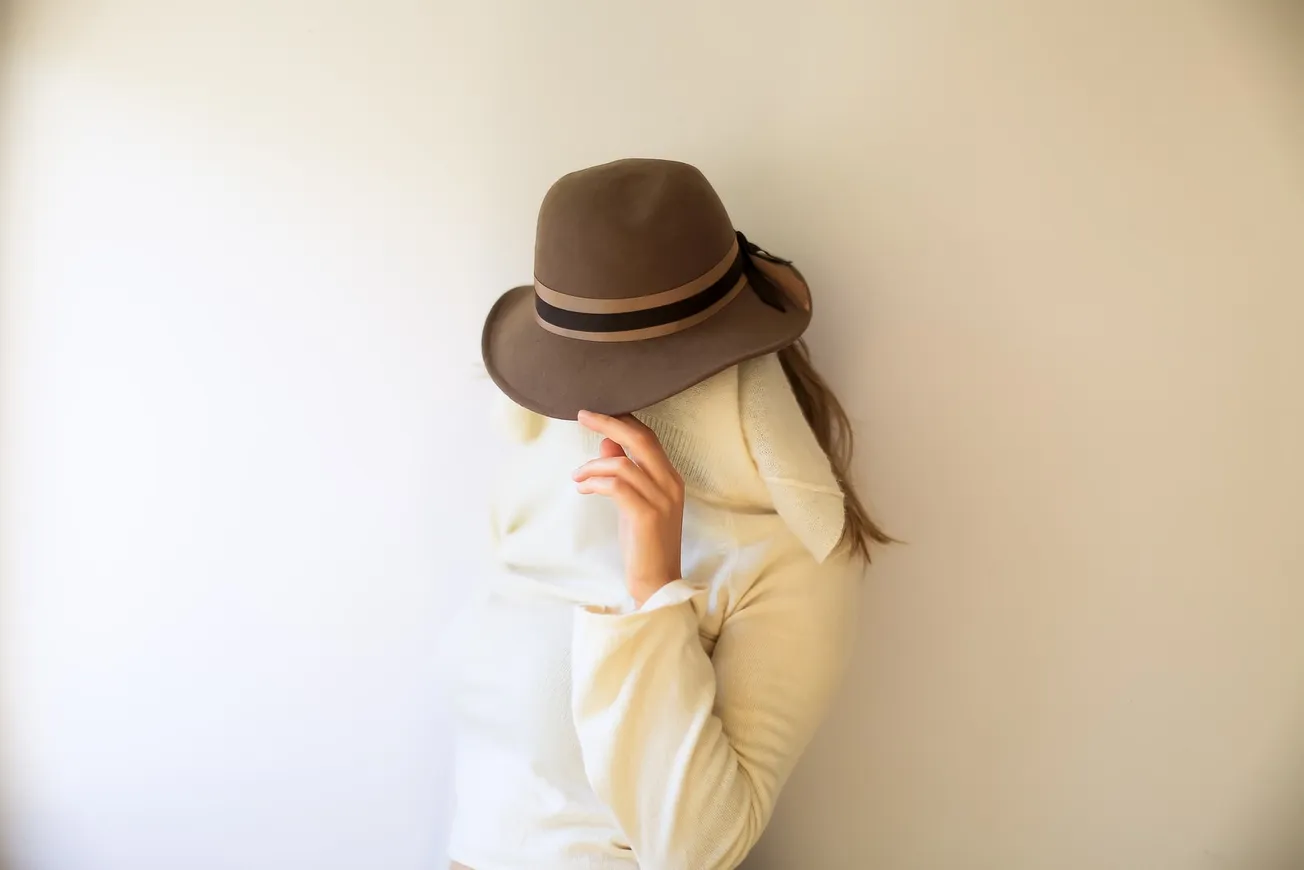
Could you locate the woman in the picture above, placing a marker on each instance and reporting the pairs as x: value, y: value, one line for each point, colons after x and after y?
x: 668, y: 621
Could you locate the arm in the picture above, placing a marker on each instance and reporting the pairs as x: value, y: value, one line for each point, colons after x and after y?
x: 690, y: 751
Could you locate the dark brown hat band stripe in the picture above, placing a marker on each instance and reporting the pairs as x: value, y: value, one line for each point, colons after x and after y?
x: 662, y: 318
x: 566, y: 302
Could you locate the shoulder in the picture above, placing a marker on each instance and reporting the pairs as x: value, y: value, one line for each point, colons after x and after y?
x: 768, y: 548
x: 798, y: 620
x: 772, y: 564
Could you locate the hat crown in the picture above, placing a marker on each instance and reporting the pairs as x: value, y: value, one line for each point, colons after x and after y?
x: 629, y: 228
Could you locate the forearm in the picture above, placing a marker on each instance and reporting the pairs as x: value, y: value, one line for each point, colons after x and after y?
x: 654, y: 750
x: 689, y: 751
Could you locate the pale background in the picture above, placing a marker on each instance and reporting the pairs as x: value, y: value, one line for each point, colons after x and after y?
x: 1058, y: 256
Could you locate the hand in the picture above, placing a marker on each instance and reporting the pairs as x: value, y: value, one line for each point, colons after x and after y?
x: 634, y: 472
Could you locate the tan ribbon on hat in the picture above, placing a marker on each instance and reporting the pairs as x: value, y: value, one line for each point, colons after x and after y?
x: 662, y: 313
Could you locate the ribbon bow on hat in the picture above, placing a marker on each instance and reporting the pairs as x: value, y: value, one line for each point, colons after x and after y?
x: 759, y: 282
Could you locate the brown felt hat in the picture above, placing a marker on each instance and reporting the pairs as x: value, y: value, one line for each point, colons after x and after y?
x: 642, y: 288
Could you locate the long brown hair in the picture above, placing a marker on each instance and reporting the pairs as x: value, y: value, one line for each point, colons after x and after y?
x: 832, y: 428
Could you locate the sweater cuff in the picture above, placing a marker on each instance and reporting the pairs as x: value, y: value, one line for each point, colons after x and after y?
x: 674, y: 592
x: 598, y: 632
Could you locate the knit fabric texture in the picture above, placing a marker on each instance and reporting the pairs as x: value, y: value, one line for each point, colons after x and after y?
x: 733, y: 434
x: 592, y: 733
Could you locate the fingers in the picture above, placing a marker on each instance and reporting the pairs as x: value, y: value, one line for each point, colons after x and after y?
x: 609, y: 449
x: 626, y: 496
x: 639, y: 442
x: 624, y: 468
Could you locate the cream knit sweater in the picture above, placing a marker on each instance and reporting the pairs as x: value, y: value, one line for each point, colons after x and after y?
x: 594, y: 735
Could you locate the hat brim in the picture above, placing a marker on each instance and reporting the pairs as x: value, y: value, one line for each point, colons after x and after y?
x: 558, y: 376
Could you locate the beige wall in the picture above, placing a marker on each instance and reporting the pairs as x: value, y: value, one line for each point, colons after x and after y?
x: 1058, y: 264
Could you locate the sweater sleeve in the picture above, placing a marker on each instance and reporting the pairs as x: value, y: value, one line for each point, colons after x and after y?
x: 689, y: 751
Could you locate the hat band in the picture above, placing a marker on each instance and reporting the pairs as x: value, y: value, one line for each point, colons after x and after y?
x: 643, y: 317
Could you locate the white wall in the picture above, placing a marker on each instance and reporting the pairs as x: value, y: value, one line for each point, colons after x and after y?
x: 246, y: 247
